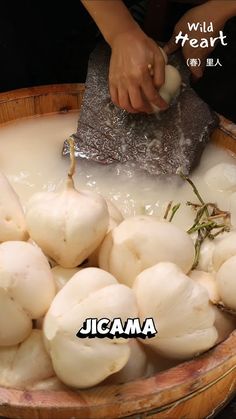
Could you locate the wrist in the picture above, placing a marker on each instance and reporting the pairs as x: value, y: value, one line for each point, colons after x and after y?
x: 129, y: 30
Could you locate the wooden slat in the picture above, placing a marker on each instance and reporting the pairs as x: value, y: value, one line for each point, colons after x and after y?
x: 224, y: 140
x: 33, y: 101
x: 191, y: 390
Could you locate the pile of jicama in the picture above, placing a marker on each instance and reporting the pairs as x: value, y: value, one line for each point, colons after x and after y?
x: 71, y: 256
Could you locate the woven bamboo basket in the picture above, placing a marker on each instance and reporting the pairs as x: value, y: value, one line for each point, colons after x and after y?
x: 192, y: 390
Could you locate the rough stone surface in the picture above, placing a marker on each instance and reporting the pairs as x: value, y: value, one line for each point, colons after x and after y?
x: 160, y: 144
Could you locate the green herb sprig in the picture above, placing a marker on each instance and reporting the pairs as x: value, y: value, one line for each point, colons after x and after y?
x: 209, y: 221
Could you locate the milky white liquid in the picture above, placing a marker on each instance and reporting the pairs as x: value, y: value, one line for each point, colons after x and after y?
x: 30, y: 156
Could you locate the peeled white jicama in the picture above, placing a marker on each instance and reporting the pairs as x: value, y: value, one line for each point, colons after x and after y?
x: 51, y: 262
x: 49, y: 384
x: 208, y: 281
x: 136, y: 367
x: 115, y: 218
x: 171, y: 87
x: 222, y: 177
x: 26, y: 364
x: 206, y: 254
x: 181, y: 310
x: 207, y: 251
x: 62, y: 275
x: 172, y: 83
x: 224, y: 250
x: 141, y: 242
x: 224, y: 264
x: 12, y: 220
x: 224, y: 323
x: 91, y: 293
x: 68, y: 225
x: 26, y: 290
x: 157, y: 362
x: 226, y: 282
x: 232, y: 208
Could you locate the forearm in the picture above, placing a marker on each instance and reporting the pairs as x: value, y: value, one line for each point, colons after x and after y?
x: 225, y: 8
x: 112, y: 17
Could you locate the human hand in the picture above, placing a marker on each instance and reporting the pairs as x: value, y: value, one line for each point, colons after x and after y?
x: 133, y: 86
x: 217, y: 12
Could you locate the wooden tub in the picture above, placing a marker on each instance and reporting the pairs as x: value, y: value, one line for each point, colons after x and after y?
x: 192, y: 390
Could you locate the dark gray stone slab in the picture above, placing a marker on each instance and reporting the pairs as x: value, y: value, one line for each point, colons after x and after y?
x: 160, y: 144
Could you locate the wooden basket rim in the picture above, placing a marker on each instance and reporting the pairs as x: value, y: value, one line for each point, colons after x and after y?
x: 156, y: 393
x: 188, y: 378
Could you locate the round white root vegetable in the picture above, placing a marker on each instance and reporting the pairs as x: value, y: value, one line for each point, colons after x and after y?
x: 50, y: 384
x: 51, y: 262
x: 206, y: 255
x: 26, y: 290
x: 12, y: 219
x: 171, y: 87
x: 222, y: 177
x: 207, y: 251
x: 232, y: 208
x: 207, y: 280
x: 62, y: 275
x: 226, y: 282
x: 115, y: 218
x: 91, y: 293
x: 224, y: 250
x: 141, y: 242
x: 136, y: 367
x: 157, y: 363
x: 224, y: 324
x: 68, y: 225
x: 181, y: 310
x: 172, y: 81
x: 26, y: 364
